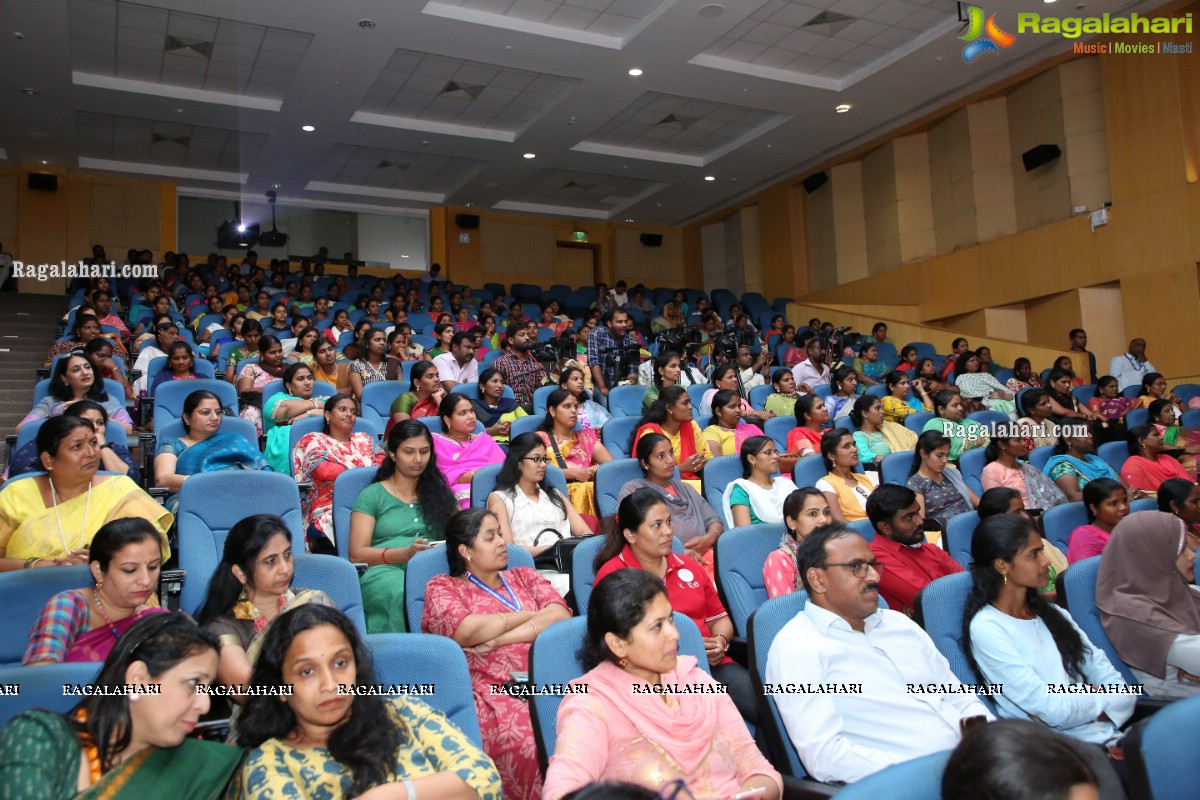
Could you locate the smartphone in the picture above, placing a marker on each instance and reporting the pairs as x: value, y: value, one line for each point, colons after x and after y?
x: 752, y: 793
x: 438, y: 543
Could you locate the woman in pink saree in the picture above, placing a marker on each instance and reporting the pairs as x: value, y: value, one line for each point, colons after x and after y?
x: 460, y: 451
x: 84, y: 624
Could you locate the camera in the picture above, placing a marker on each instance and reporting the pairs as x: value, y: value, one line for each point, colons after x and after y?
x: 729, y: 341
x: 679, y: 340
x: 554, y: 350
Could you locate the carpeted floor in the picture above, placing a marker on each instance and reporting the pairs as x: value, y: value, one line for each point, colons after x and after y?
x: 28, y: 323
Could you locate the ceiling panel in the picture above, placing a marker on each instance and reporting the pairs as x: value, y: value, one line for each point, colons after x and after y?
x: 608, y: 17
x: 121, y: 138
x: 395, y: 169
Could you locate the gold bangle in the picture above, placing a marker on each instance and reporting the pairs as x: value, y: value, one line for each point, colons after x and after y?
x: 504, y: 620
x: 534, y: 625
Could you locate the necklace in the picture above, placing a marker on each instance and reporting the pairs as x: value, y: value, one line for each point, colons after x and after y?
x: 511, y: 602
x: 112, y: 626
x: 462, y: 444
x: 401, y: 494
x: 83, y: 529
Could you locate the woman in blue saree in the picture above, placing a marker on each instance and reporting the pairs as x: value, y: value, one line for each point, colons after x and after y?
x: 203, y: 447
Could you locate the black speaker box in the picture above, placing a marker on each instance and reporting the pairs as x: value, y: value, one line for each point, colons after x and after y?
x: 1037, y: 156
x: 467, y: 220
x: 43, y: 181
x: 651, y: 239
x: 814, y: 182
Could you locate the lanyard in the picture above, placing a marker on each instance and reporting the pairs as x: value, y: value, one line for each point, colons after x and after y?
x: 511, y: 602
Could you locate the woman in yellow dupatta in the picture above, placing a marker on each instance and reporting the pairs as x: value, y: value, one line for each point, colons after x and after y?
x: 49, y: 520
x: 578, y: 453
x: 876, y: 437
x: 102, y: 748
x: 671, y: 415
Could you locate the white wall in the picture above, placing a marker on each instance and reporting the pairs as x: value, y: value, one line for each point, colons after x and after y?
x: 370, y: 237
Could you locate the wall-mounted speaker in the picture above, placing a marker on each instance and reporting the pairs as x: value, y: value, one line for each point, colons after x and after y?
x: 43, y: 181
x: 814, y: 182
x: 1037, y: 156
x: 651, y: 239
x: 468, y: 221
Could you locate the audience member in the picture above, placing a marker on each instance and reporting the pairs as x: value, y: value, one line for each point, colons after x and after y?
x: 85, y: 624
x: 296, y: 401
x: 804, y: 510
x: 39, y: 516
x: 757, y: 498
x: 394, y: 518
x: 1075, y: 463
x: 1181, y: 498
x: 694, y: 741
x: 72, y: 380
x: 1012, y: 636
x: 939, y: 486
x: 1149, y: 464
x: 1023, y: 376
x: 1130, y: 367
x: 1005, y: 468
x: 1107, y: 503
x: 877, y: 438
x: 127, y: 745
x: 696, y: 525
x: 320, y: 457
x: 494, y: 613
x: 522, y: 372
x: 845, y: 489
x: 254, y: 377
x: 461, y: 452
x: 370, y: 366
x: 323, y: 742
x: 1147, y: 603
x: 671, y: 416
x: 964, y: 434
x: 957, y: 348
x: 844, y: 383
x: 726, y: 434
x: 493, y: 409
x: 782, y: 401
x: 591, y: 413
x: 813, y: 371
x: 666, y: 372
x: 1111, y: 407
x: 328, y: 369
x: 911, y: 562
x: 114, y: 456
x: 905, y: 396
x: 642, y: 539
x: 424, y: 398
x: 1079, y: 340
x: 843, y: 637
x: 86, y: 329
x: 976, y: 384
x: 578, y: 452
x: 811, y: 416
x: 458, y: 365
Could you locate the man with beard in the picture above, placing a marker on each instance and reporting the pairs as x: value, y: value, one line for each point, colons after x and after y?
x: 912, y: 562
x: 521, y: 371
x: 859, y: 688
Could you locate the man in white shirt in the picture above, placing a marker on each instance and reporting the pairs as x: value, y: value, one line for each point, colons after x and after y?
x: 751, y: 367
x: 434, y: 275
x: 812, y: 370
x: 1129, y: 368
x: 896, y: 698
x: 459, y: 365
x: 620, y: 294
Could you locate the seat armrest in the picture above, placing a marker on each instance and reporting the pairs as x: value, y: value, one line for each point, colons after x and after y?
x: 807, y: 789
x: 170, y: 584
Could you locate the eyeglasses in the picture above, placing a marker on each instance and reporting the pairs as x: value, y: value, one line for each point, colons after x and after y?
x: 858, y: 568
x: 537, y: 459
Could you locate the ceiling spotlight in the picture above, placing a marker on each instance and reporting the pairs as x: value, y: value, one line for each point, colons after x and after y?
x: 179, y: 111
x: 44, y: 162
x: 843, y: 108
x: 635, y: 72
x: 18, y: 35
x: 241, y: 228
x: 30, y: 92
x: 307, y: 128
x: 710, y: 177
x: 712, y: 10
x: 404, y: 255
x: 366, y: 23
x: 276, y: 186
x: 531, y: 155
x: 629, y: 219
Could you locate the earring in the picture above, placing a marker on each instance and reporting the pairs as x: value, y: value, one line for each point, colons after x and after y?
x: 622, y: 662
x: 134, y: 697
x: 99, y: 585
x: 243, y: 597
x: 1005, y: 576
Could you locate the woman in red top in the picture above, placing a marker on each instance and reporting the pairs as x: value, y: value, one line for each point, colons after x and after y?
x: 642, y: 539
x: 671, y: 415
x: 811, y: 416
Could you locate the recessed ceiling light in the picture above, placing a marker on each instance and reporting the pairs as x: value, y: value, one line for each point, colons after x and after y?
x: 276, y: 186
x: 531, y: 155
x: 307, y: 128
x: 18, y: 35
x: 44, y: 162
x: 635, y: 72
x: 843, y: 108
x: 1047, y: 1
x: 366, y: 23
x: 710, y: 177
x: 404, y: 255
x: 629, y: 219
x: 30, y: 92
x: 712, y: 10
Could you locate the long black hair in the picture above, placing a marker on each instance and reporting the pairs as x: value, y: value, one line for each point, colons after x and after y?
x: 661, y: 361
x: 657, y: 413
x: 59, y: 389
x: 1096, y: 492
x: 1001, y: 538
x: 829, y: 444
x: 861, y: 406
x: 618, y: 603
x: 804, y: 407
x: 510, y: 472
x: 365, y: 743
x: 1172, y: 492
x: 243, y: 545
x: 330, y: 405
x: 630, y: 516
x: 997, y: 500
x: 927, y: 442
x: 437, y: 502
x: 566, y: 374
x: 1148, y: 379
x: 1134, y: 437
x: 1017, y: 760
x: 161, y: 642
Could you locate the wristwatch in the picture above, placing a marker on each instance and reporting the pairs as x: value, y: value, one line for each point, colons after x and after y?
x: 107, y: 445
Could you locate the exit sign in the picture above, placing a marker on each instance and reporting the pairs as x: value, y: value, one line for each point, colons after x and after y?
x: 579, y: 236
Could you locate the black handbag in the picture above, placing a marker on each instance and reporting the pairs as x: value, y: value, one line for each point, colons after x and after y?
x: 558, y: 556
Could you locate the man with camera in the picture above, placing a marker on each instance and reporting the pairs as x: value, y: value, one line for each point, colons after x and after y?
x: 612, y: 352
x: 751, y: 367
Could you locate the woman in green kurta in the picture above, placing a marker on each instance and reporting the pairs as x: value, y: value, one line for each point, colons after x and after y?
x: 295, y: 401
x: 396, y: 517
x: 45, y: 756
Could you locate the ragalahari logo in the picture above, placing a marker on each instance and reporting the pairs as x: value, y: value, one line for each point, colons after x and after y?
x: 983, y: 37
